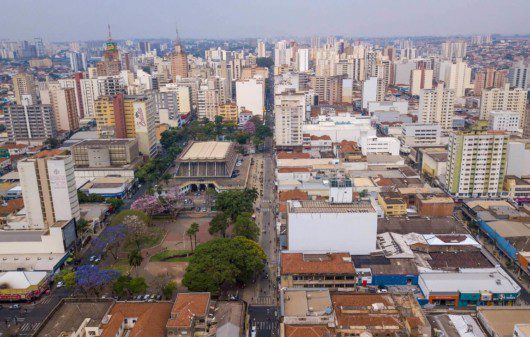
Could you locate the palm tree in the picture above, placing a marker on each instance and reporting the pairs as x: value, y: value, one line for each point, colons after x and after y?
x: 135, y: 258
x: 192, y: 233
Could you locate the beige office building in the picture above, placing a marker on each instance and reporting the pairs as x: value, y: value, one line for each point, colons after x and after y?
x: 24, y: 84
x: 504, y: 100
x: 437, y: 106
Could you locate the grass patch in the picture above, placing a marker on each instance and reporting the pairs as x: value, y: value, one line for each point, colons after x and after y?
x: 172, y: 256
x: 121, y: 265
x: 154, y: 238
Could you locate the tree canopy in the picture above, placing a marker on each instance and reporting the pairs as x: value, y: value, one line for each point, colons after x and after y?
x: 246, y: 227
x: 234, y: 202
x: 223, y: 263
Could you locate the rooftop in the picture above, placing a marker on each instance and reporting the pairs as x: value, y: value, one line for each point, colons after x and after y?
x: 405, y: 225
x: 454, y: 260
x: 150, y: 318
x: 469, y: 281
x: 331, y: 263
x: 186, y: 306
x: 308, y: 331
x: 71, y: 314
x: 206, y: 151
x: 305, y: 302
x: 501, y: 320
x: 292, y: 155
x: 319, y: 206
x: 105, y: 142
x: 21, y: 279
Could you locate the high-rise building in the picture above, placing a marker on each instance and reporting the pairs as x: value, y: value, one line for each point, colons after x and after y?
x: 123, y: 116
x: 488, y: 78
x: 373, y: 91
x: 48, y: 189
x: 420, y: 79
x: 437, y: 106
x: 503, y: 100
x: 110, y: 64
x: 519, y: 75
x: 64, y: 104
x: 179, y: 60
x: 289, y: 114
x: 229, y: 112
x: 476, y: 163
x: 260, y: 50
x: 454, y: 49
x: 457, y: 77
x: 30, y: 122
x: 25, y: 89
x: 78, y: 61
x: 504, y: 121
x: 208, y: 105
x: 303, y: 59
x: 327, y: 88
x: 315, y: 42
x: 250, y: 95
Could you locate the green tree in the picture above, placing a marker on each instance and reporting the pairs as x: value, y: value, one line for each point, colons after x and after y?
x: 135, y: 258
x: 168, y: 289
x: 115, y: 203
x: 244, y: 226
x: 67, y: 277
x: 223, y: 263
x: 235, y: 202
x: 192, y: 233
x: 219, y: 224
x: 52, y: 143
x: 126, y: 285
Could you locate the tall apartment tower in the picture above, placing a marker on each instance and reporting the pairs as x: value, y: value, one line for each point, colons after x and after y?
x: 48, y: 189
x: 25, y: 90
x: 476, y: 163
x: 437, y: 106
x: 110, y: 64
x: 457, y: 77
x: 289, y: 114
x: 504, y: 100
x: 519, y: 75
x: 30, y: 122
x: 123, y: 116
x: 420, y: 79
x: 178, y: 60
x: 488, y: 78
x: 260, y: 50
x: 64, y: 104
x: 373, y: 91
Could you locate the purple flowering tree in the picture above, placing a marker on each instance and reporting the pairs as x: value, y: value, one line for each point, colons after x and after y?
x: 249, y: 127
x: 110, y: 239
x: 92, y: 280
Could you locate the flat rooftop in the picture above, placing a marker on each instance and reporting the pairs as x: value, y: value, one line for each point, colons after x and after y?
x: 70, y: 315
x: 319, y: 206
x: 206, y: 151
x: 420, y: 225
x: 453, y: 260
x: 298, y: 302
x: 502, y: 319
x: 332, y: 263
x: 105, y: 142
x: 469, y: 281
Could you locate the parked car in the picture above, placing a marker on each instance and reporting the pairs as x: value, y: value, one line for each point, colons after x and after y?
x: 60, y: 284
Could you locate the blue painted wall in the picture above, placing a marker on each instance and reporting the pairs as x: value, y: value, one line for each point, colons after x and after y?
x: 393, y: 280
x: 501, y: 242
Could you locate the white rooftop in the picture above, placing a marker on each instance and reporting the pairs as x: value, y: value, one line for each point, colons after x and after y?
x: 21, y: 279
x: 206, y: 150
x: 468, y: 281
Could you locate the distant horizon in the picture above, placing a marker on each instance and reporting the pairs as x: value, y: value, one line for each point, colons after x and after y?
x: 82, y: 20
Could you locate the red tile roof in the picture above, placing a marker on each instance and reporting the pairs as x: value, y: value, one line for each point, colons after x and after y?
x: 293, y: 155
x: 151, y: 319
x: 293, y: 195
x: 308, y: 331
x: 186, y: 306
x: 293, y: 169
x: 332, y: 263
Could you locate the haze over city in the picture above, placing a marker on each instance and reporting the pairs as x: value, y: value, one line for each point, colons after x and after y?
x: 71, y: 20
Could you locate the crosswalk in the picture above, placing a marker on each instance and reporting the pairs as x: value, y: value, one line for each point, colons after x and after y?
x: 27, y: 328
x: 273, y: 325
x: 264, y: 300
x: 45, y: 300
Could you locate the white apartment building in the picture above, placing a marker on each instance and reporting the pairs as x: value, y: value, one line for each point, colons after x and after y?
x: 504, y: 121
x: 420, y: 79
x: 303, y: 60
x: 89, y: 94
x: 437, y: 106
x: 208, y: 104
x: 289, y: 114
x: 48, y: 190
x: 380, y: 145
x: 476, y: 163
x: 351, y: 130
x: 504, y: 100
x: 250, y: 95
x: 145, y: 124
x: 260, y: 50
x: 519, y: 75
x: 457, y: 76
x: 420, y: 134
x: 373, y: 91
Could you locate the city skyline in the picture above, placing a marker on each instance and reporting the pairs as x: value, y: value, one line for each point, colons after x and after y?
x: 241, y: 19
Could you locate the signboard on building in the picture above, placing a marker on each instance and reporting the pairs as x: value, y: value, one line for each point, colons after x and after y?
x: 140, y: 118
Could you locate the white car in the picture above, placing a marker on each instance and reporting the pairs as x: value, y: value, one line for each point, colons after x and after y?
x: 253, y: 331
x: 60, y: 284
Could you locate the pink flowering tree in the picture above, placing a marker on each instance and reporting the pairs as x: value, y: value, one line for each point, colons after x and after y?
x: 173, y: 200
x: 148, y: 204
x: 249, y: 127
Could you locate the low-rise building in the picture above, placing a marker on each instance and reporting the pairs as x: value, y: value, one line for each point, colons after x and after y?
x: 503, y: 321
x: 188, y: 314
x: 108, y: 187
x: 469, y: 287
x: 23, y: 285
x: 434, y: 163
x: 392, y: 203
x: 434, y: 205
x: 306, y: 270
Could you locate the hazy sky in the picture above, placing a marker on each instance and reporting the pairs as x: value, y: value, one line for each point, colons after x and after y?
x: 61, y: 20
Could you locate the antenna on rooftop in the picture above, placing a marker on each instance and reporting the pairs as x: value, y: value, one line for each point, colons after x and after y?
x: 110, y: 34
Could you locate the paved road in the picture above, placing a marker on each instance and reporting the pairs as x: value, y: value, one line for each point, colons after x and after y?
x: 264, y: 318
x: 29, y: 316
